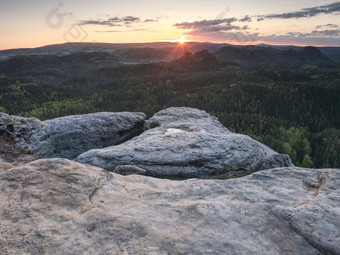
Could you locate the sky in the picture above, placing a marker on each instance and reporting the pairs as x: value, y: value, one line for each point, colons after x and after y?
x: 34, y: 23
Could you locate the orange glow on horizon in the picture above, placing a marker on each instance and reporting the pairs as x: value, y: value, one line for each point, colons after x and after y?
x: 180, y: 41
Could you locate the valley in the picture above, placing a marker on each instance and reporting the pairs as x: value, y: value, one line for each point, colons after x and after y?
x: 286, y: 98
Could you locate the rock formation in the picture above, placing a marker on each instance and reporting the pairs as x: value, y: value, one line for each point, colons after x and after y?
x: 272, y: 161
x: 129, y: 170
x: 67, y: 137
x: 183, y: 143
x: 5, y: 165
x: 57, y: 206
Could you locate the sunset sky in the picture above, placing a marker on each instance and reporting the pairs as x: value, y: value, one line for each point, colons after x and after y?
x: 33, y: 23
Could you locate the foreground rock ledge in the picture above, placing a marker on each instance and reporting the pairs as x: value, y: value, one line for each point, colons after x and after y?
x: 56, y: 206
x: 184, y: 143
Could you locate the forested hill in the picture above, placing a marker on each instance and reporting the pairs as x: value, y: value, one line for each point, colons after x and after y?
x: 290, y: 58
x: 71, y: 64
x: 292, y: 110
x: 158, y: 48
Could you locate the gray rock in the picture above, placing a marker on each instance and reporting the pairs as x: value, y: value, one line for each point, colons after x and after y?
x: 5, y: 165
x: 70, y: 136
x: 185, y: 143
x: 18, y: 128
x: 272, y: 161
x: 129, y: 170
x: 57, y: 207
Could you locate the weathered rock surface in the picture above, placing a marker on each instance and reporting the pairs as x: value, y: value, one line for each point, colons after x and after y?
x: 10, y: 156
x: 67, y: 137
x: 56, y: 206
x: 272, y: 161
x: 5, y: 165
x: 129, y: 170
x: 185, y: 143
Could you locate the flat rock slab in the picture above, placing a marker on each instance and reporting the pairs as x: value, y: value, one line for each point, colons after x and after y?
x: 57, y: 206
x: 184, y: 143
x: 67, y: 137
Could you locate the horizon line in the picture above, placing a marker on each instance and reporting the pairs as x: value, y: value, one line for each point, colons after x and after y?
x: 259, y: 43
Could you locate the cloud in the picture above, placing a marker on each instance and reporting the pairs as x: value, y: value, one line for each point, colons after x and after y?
x: 150, y: 20
x: 99, y: 22
x: 327, y: 25
x: 325, y: 37
x: 222, y: 30
x: 246, y: 19
x: 333, y: 32
x: 210, y: 26
x: 204, y: 23
x: 260, y: 18
x: 230, y: 36
x: 217, y: 28
x: 305, y: 12
x: 113, y: 22
x: 120, y: 31
x: 317, y: 33
x: 130, y: 19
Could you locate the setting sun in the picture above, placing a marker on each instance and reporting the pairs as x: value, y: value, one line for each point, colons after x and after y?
x: 180, y: 41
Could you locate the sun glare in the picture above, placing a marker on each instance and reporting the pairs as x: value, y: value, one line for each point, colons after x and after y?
x: 180, y: 41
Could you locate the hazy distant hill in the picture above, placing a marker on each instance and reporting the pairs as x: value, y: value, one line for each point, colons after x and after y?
x: 68, y: 48
x: 80, y: 57
x: 149, y: 54
x: 255, y: 55
x: 71, y: 64
x: 331, y: 52
x: 133, y: 53
x: 79, y: 62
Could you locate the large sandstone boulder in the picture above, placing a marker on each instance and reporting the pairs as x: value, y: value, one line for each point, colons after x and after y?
x: 183, y: 143
x: 56, y: 206
x: 67, y: 137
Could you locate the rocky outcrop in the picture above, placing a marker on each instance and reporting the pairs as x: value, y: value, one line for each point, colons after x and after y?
x: 18, y: 128
x: 183, y: 143
x: 272, y: 161
x: 67, y: 137
x: 129, y: 170
x: 10, y: 156
x: 56, y: 206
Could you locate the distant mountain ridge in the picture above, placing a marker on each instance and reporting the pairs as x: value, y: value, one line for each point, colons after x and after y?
x: 266, y: 55
x: 74, y: 62
x: 161, y: 49
x: 68, y: 48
